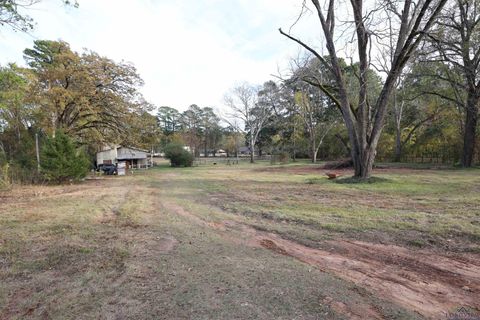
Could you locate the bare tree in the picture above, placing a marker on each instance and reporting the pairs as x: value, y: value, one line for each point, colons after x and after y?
x: 317, y: 123
x: 411, y: 20
x: 312, y: 105
x: 243, y: 102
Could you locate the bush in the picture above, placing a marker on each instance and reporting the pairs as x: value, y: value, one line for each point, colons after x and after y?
x: 178, y: 156
x: 61, y: 161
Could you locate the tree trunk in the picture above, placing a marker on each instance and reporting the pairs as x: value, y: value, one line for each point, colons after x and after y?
x: 345, y: 144
x: 469, y: 137
x: 364, y: 145
x: 252, y: 149
x: 363, y: 161
x: 294, y: 146
x: 398, y: 114
x: 398, y: 144
x: 314, y: 152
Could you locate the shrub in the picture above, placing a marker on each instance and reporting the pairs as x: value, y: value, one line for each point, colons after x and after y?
x: 61, y: 161
x: 178, y: 156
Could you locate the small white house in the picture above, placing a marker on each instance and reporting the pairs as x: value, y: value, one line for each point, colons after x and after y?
x: 133, y: 157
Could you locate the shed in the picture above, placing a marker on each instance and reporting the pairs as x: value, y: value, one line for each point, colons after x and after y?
x: 133, y: 157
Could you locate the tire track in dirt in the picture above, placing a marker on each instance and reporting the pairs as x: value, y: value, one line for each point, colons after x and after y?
x: 418, y: 280
x: 430, y: 286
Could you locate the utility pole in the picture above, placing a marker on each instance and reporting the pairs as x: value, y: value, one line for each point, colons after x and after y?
x: 151, y: 158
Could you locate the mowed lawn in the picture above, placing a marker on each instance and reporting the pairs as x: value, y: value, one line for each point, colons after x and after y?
x: 242, y: 242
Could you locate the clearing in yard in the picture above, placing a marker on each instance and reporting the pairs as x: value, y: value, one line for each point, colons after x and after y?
x: 243, y: 242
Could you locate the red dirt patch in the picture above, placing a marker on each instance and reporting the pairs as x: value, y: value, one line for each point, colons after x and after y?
x: 269, y: 244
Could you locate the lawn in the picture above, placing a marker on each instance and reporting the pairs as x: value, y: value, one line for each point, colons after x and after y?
x: 243, y: 242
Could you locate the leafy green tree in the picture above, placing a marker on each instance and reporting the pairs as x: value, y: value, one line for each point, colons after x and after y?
x: 17, y: 123
x: 169, y: 120
x: 61, y: 161
x: 270, y: 97
x: 210, y: 128
x: 178, y: 156
x: 144, y: 132
x: 192, y: 128
x: 455, y: 41
x: 231, y: 140
x: 86, y: 96
x: 14, y: 112
x: 413, y: 107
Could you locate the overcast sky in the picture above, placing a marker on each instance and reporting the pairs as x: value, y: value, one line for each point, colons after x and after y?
x: 188, y: 51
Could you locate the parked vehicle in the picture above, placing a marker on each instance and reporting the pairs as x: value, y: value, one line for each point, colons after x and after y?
x: 107, y: 168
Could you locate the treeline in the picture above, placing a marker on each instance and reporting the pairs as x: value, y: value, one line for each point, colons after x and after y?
x: 426, y: 117
x: 293, y: 116
x: 198, y: 128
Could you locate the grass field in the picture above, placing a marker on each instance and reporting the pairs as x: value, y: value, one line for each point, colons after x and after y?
x: 243, y: 242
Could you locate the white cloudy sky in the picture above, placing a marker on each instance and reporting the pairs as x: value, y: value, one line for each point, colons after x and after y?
x: 187, y: 51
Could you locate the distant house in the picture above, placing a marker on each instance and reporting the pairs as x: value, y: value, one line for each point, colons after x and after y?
x: 133, y: 157
x: 244, y: 150
x: 214, y: 153
x: 220, y: 153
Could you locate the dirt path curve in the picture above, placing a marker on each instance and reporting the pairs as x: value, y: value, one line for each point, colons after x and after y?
x: 418, y: 280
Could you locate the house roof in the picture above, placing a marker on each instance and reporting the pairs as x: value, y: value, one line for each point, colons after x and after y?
x: 120, y: 147
x: 133, y: 148
x: 105, y: 150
